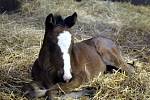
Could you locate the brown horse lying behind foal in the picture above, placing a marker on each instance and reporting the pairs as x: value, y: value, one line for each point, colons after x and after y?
x: 69, y: 64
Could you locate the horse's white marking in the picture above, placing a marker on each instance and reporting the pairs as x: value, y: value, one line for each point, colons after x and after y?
x: 64, y: 42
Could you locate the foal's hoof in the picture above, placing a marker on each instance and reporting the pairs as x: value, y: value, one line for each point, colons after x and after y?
x: 48, y: 98
x: 89, y: 91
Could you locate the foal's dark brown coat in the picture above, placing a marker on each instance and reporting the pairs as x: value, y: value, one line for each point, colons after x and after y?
x: 89, y: 58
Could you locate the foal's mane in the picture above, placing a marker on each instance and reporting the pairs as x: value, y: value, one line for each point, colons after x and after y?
x: 58, y: 20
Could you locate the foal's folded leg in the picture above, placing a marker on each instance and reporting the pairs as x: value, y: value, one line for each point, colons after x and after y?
x: 65, y: 87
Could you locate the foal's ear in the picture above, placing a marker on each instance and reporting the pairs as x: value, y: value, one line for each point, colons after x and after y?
x: 70, y: 20
x: 49, y: 22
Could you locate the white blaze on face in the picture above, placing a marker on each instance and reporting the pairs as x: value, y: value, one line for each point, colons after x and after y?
x: 64, y: 42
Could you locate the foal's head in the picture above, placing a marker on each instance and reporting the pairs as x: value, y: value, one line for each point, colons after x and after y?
x: 57, y: 30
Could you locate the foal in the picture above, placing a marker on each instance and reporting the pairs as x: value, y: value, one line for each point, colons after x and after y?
x: 71, y: 64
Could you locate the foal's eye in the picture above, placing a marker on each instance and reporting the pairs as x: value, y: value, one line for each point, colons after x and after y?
x: 60, y: 71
